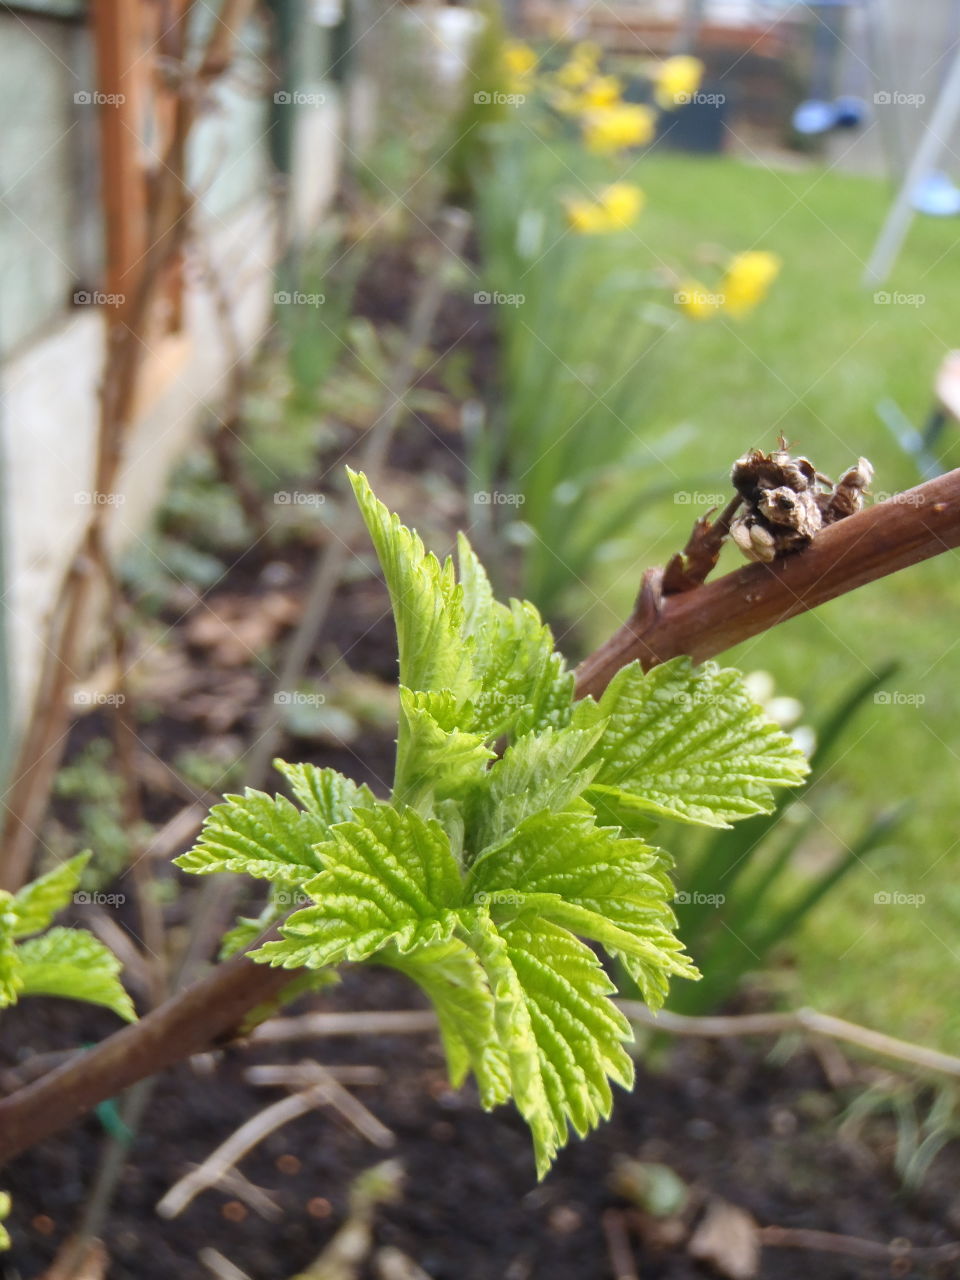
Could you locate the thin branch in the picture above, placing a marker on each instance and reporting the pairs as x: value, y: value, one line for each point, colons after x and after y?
x: 703, y: 622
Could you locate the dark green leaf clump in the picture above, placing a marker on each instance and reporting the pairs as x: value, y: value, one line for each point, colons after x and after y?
x: 483, y: 875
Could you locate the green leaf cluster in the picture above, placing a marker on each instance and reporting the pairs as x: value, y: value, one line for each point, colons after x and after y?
x: 514, y: 838
x: 60, y: 961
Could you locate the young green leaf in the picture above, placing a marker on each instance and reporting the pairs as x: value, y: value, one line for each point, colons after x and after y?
x: 456, y: 984
x: 258, y: 835
x: 11, y: 976
x: 614, y: 891
x: 538, y: 773
x: 323, y: 792
x: 390, y: 877
x: 562, y: 1034
x: 39, y: 901
x: 427, y: 602
x: 72, y: 962
x: 689, y: 743
x: 435, y: 760
x: 523, y: 683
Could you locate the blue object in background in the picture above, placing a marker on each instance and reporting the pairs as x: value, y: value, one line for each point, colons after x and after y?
x: 936, y: 195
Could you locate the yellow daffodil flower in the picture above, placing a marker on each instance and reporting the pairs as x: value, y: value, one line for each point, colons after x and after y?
x: 616, y: 207
x: 581, y: 66
x: 602, y: 91
x: 677, y: 80
x: 519, y: 59
x: 613, y: 128
x: 748, y: 280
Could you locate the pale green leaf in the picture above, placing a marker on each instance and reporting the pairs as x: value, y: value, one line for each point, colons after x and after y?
x: 689, y: 743
x: 258, y: 835
x: 427, y: 602
x: 39, y: 901
x: 11, y: 976
x: 612, y: 890
x: 454, y: 980
x: 562, y: 1034
x: 73, y: 963
x: 324, y: 792
x: 435, y: 761
x: 390, y: 877
x: 523, y: 684
x: 538, y: 773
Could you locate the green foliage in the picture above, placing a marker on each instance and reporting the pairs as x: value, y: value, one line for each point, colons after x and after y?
x: 570, y: 444
x: 486, y: 874
x: 60, y: 961
x: 740, y: 896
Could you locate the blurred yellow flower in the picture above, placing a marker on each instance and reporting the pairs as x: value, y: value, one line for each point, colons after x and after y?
x: 677, y: 80
x: 625, y: 124
x: 518, y: 58
x: 581, y: 66
x: 602, y: 91
x: 748, y: 279
x: 696, y: 300
x: 616, y: 207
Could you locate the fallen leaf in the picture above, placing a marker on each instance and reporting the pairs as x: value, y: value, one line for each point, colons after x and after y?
x: 727, y: 1240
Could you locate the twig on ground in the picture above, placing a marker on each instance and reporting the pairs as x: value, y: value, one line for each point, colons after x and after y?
x: 809, y: 1020
x: 253, y: 1197
x: 622, y: 1264
x: 220, y: 1266
x: 306, y: 1074
x: 240, y: 1142
x: 310, y: 1025
x: 855, y: 1246
x: 300, y: 1074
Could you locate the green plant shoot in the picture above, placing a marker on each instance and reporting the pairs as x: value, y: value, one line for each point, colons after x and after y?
x: 492, y: 867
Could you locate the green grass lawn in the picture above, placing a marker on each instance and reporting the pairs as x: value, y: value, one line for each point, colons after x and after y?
x: 813, y: 363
